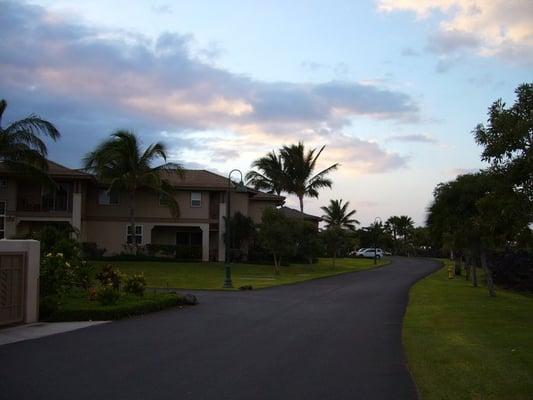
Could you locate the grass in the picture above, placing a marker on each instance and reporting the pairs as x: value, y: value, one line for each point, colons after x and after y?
x: 78, y: 307
x: 211, y: 275
x: 462, y: 344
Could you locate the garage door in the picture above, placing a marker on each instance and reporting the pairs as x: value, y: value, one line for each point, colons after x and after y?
x: 12, y: 272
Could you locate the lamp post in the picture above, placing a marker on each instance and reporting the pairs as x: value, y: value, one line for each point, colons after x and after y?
x: 375, y: 239
x: 227, y: 265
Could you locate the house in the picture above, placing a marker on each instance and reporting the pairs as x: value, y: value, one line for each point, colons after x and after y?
x: 292, y: 213
x: 102, y: 217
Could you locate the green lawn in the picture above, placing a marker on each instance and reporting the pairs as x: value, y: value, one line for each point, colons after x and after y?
x: 211, y: 275
x: 462, y: 344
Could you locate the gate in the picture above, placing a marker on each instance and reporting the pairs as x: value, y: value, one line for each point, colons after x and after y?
x: 12, y: 283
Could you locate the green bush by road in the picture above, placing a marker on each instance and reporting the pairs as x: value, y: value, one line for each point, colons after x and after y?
x: 462, y: 344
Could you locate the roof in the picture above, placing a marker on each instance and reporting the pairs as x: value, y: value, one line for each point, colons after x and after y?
x: 204, y: 179
x: 292, y: 213
x: 56, y: 170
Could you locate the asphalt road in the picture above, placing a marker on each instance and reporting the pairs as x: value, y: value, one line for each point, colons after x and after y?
x: 332, y: 338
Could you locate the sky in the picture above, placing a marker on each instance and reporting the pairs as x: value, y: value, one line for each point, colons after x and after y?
x: 392, y: 88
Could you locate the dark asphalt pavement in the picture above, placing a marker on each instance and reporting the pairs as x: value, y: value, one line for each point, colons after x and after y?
x: 332, y: 338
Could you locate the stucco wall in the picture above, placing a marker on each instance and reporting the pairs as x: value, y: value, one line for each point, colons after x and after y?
x: 256, y: 208
x: 146, y: 206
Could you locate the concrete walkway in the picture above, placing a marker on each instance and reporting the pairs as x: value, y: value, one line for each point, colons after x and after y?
x: 41, y: 329
x: 333, y: 338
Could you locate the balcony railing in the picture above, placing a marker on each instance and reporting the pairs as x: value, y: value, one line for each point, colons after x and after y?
x: 45, y: 204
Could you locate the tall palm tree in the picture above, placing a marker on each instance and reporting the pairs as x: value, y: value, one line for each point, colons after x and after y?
x: 122, y: 163
x: 299, y: 166
x: 270, y: 174
x: 401, y: 228
x: 22, y: 148
x: 337, y: 215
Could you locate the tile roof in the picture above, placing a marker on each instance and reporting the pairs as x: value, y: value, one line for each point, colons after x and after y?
x: 56, y: 170
x: 292, y: 213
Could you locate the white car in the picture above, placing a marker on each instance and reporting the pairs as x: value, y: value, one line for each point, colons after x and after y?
x: 369, y: 253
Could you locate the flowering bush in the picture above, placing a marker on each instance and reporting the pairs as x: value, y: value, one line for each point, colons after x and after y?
x: 110, y: 276
x: 135, y: 284
x: 57, y: 275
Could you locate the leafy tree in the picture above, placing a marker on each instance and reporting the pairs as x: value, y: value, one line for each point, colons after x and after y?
x: 337, y: 214
x: 22, y: 148
x: 276, y: 235
x: 270, y: 174
x: 306, y: 239
x: 242, y: 230
x: 299, y: 166
x: 122, y: 163
x: 401, y: 230
x: 507, y: 140
x: 334, y: 240
x: 476, y: 213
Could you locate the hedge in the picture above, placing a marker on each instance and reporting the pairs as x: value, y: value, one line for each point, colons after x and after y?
x: 81, y: 309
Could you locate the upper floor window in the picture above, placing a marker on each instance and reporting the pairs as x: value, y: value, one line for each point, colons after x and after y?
x: 163, y: 200
x: 107, y: 198
x: 3, y: 183
x: 138, y: 234
x: 196, y: 199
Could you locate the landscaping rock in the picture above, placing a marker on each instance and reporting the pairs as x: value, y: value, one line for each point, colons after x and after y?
x: 190, y: 299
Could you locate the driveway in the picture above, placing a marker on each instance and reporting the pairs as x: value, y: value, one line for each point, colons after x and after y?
x: 331, y: 338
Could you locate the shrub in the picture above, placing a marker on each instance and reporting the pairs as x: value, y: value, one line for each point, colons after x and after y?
x: 109, y: 276
x: 107, y: 295
x: 91, y: 251
x: 126, y: 307
x: 56, y: 275
x: 513, y: 270
x: 135, y: 284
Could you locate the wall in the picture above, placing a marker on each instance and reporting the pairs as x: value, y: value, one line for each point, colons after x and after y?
x: 256, y: 209
x: 32, y: 250
x: 146, y: 206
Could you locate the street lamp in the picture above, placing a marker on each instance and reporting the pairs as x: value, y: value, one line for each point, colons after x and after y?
x: 240, y: 188
x: 375, y: 239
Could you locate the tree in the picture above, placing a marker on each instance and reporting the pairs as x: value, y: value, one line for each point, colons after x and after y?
x: 306, y: 239
x: 337, y: 214
x: 476, y: 213
x: 270, y: 175
x: 508, y: 140
x: 276, y: 235
x: 334, y: 240
x: 22, y: 148
x: 299, y: 166
x: 242, y: 229
x: 121, y: 162
x: 401, y: 229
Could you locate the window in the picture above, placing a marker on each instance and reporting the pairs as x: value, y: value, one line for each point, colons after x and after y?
x: 138, y: 234
x: 3, y: 183
x: 107, y: 198
x: 2, y: 219
x: 196, y: 199
x: 163, y: 200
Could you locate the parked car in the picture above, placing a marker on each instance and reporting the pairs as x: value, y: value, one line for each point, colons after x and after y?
x: 369, y: 253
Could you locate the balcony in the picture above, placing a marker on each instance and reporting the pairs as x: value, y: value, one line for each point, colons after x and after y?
x: 33, y: 201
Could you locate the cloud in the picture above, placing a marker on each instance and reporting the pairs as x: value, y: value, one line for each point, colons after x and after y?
x: 500, y: 28
x: 162, y: 9
x: 416, y: 138
x: 91, y: 80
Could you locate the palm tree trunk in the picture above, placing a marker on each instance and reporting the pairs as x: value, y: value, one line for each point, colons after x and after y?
x: 301, y: 199
x: 132, y: 221
x: 488, y: 273
x: 334, y: 257
x: 276, y: 268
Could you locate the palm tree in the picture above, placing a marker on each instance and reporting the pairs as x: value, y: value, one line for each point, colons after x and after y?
x: 299, y: 166
x: 270, y: 174
x: 122, y: 163
x: 401, y: 228
x: 21, y: 146
x: 337, y: 214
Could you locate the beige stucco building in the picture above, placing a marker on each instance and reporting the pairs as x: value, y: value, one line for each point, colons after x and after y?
x: 103, y: 218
